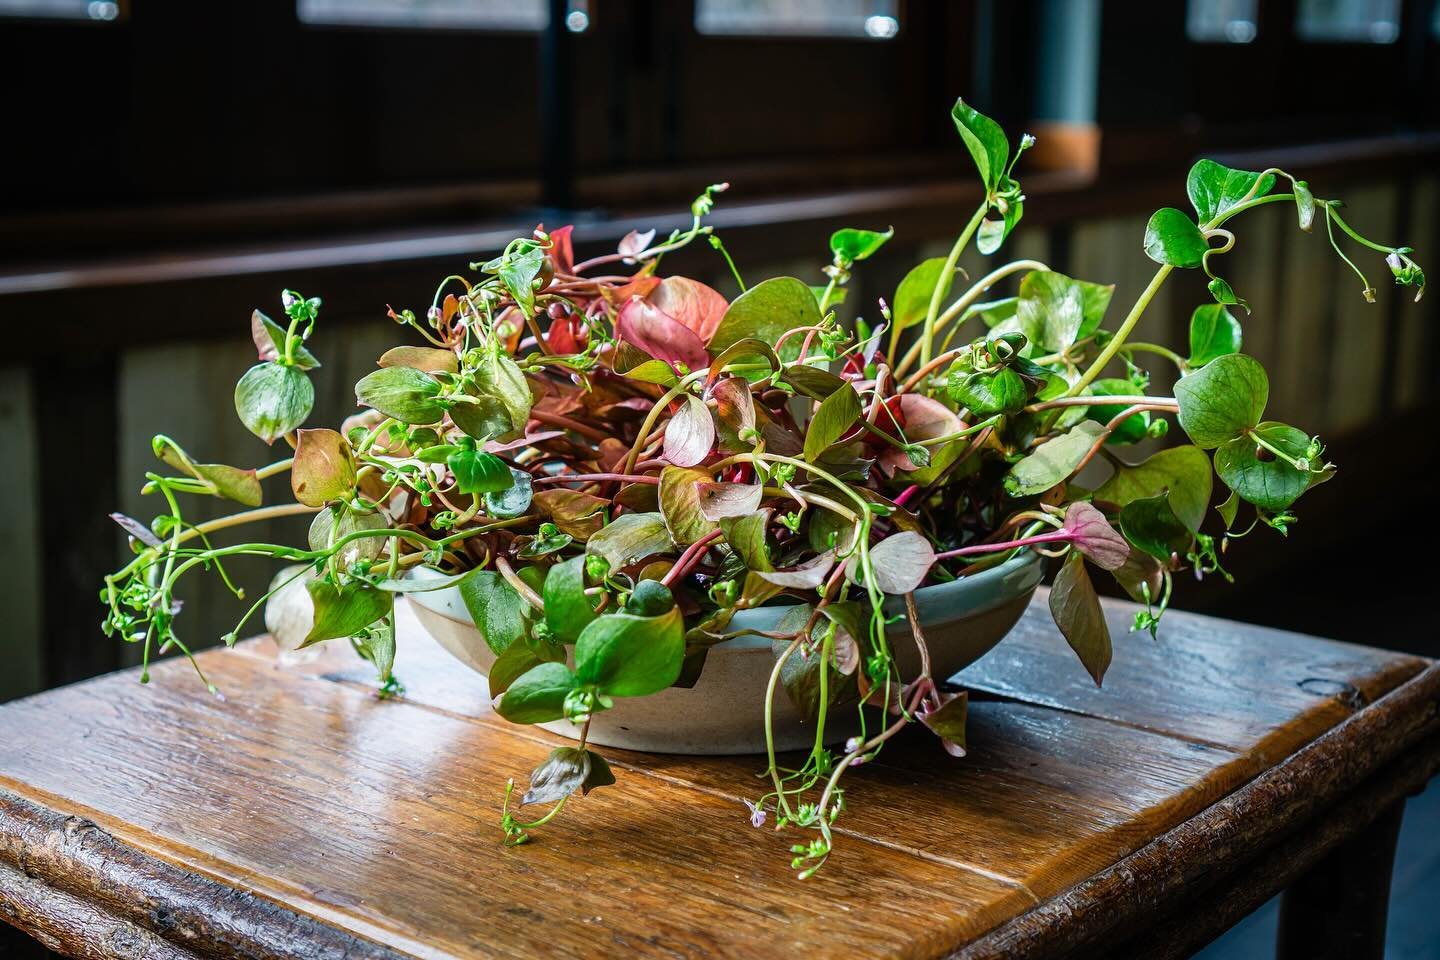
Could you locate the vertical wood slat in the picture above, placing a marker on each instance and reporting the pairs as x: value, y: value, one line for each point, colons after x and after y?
x: 20, y: 649
x: 1417, y: 341
x: 1356, y: 354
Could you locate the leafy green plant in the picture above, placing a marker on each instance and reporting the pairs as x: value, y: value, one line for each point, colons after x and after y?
x: 610, y: 464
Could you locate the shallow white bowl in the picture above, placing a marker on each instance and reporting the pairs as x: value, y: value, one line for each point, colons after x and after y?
x: 724, y: 712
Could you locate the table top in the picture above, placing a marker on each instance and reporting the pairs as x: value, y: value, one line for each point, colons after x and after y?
x: 302, y: 816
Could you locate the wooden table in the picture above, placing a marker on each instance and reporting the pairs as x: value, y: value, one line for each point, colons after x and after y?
x: 302, y: 817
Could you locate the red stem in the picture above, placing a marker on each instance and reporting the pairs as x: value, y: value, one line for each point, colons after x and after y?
x: 1058, y: 536
x: 690, y: 557
x: 597, y: 477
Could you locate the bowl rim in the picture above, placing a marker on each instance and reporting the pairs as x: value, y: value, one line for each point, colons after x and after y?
x: 983, y: 590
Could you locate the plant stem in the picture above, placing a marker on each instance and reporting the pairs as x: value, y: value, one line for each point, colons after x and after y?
x: 966, y: 301
x: 946, y: 272
x: 1118, y: 341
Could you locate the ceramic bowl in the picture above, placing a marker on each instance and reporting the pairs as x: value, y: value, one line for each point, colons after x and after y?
x: 724, y: 712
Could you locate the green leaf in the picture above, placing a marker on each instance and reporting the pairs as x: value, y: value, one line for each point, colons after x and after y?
x: 324, y: 468
x: 813, y: 382
x: 837, y: 294
x: 800, y: 674
x: 1214, y: 189
x: 516, y: 661
x: 1224, y: 294
x: 630, y: 538
x: 345, y: 611
x: 518, y: 272
x: 1214, y: 332
x: 625, y: 655
x: 1223, y: 399
x: 403, y: 393
x: 499, y: 612
x: 428, y: 359
x: 987, y: 393
x: 654, y: 371
x: 272, y: 400
x: 1229, y: 508
x: 377, y: 645
x: 567, y: 610
x: 832, y: 419
x: 912, y: 297
x: 479, y: 472
x: 853, y: 245
x: 514, y: 499
x: 538, y: 696
x: 1054, y: 310
x: 1133, y: 428
x: 1151, y: 525
x: 1270, y: 483
x: 339, y: 521
x: 1182, y: 472
x: 483, y: 418
x: 765, y: 312
x: 499, y: 379
x: 1141, y: 577
x: 1173, y: 238
x: 232, y: 483
x: 985, y: 141
x: 567, y: 770
x: 1052, y: 461
x: 1076, y: 609
x: 680, y: 504
x: 746, y: 536
x: 1304, y: 205
x: 269, y: 339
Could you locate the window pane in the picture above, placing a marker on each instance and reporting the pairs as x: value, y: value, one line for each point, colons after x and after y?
x: 64, y: 9
x: 1349, y: 21
x: 877, y: 19
x: 1221, y: 21
x: 528, y: 15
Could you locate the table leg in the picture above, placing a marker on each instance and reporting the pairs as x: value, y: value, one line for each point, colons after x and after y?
x: 1337, y: 909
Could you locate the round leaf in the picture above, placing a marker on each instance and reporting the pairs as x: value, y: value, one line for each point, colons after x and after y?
x: 630, y: 538
x: 567, y: 609
x: 1269, y: 483
x: 1173, y: 238
x: 912, y: 297
x: 1183, y: 472
x: 690, y: 434
x: 402, y: 393
x: 854, y: 245
x: 272, y: 399
x: 538, y: 696
x: 625, y: 655
x: 1215, y: 189
x: 1214, y: 332
x: 1151, y: 525
x: 499, y: 612
x: 766, y: 312
x: 324, y: 468
x: 1223, y: 399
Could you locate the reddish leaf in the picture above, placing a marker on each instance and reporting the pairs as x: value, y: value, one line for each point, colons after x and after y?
x: 947, y: 721
x: 1093, y: 536
x: 562, y: 249
x: 734, y: 413
x: 566, y: 335
x: 638, y: 286
x: 806, y: 576
x: 136, y: 529
x: 692, y: 303
x: 650, y: 329
x: 721, y: 500
x: 923, y: 419
x: 324, y: 468
x: 428, y: 359
x: 900, y: 561
x: 634, y: 242
x: 690, y: 435
x: 1077, y: 613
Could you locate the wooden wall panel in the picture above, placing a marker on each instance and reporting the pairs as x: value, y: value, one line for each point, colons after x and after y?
x: 1357, y: 352
x: 1414, y: 371
x: 20, y: 649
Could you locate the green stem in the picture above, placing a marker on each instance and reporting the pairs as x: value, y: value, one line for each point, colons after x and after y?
x: 1157, y: 349
x: 941, y: 283
x: 1118, y: 341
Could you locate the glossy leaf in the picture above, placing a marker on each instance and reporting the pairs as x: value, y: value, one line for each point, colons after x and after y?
x: 516, y: 661
x: 680, y: 504
x: 853, y: 245
x: 567, y: 770
x: 1150, y: 524
x: 836, y: 415
x: 1269, y: 483
x: 1183, y: 472
x: 271, y: 400
x: 567, y: 609
x: 1214, y: 332
x: 1223, y: 399
x: 901, y: 562
x: 690, y: 434
x: 1052, y: 461
x: 1093, y: 536
x: 985, y: 141
x: 657, y: 334
x: 538, y: 696
x: 483, y: 417
x: 692, y: 303
x: 912, y: 297
x: 1054, y: 310
x: 345, y: 611
x: 1214, y: 190
x: 948, y: 721
x: 499, y: 612
x: 402, y: 393
x: 988, y: 393
x: 626, y: 655
x: 1225, y: 295
x: 654, y: 371
x: 1133, y: 428
x: 1172, y: 238
x: 512, y: 501
x: 766, y: 312
x: 804, y: 576
x: 501, y: 381
x: 575, y: 513
x: 1076, y: 609
x: 630, y: 538
x: 1141, y: 577
x: 746, y: 536
x: 734, y: 413
x: 1304, y: 205
x: 518, y: 272
x: 324, y: 468
x: 425, y: 359
x: 478, y: 472
x: 334, y: 524
x: 814, y: 382
x: 721, y: 500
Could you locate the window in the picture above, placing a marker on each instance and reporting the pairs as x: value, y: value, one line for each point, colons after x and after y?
x: 61, y: 9
x: 1348, y: 21
x: 876, y: 19
x: 500, y: 15
x: 1221, y: 21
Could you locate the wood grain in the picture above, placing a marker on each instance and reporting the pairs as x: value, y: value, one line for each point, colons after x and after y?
x: 378, y: 820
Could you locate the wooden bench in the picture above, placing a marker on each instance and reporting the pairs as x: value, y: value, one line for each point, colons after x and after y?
x: 303, y: 817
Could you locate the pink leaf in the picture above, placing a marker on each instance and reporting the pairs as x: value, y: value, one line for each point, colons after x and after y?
x: 923, y: 419
x: 721, y: 500
x: 690, y: 434
x: 562, y: 249
x: 1093, y: 536
x: 530, y: 439
x: 901, y: 562
x: 692, y: 303
x: 807, y: 576
x: 634, y: 242
x: 657, y: 334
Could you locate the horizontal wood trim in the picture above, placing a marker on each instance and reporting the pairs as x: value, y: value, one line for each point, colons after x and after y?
x: 98, y: 891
